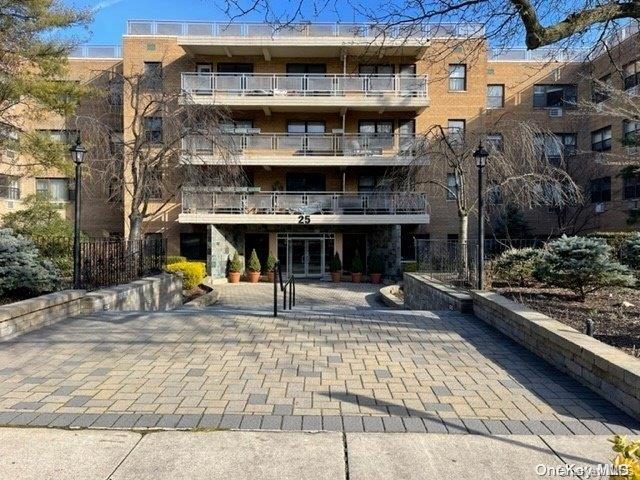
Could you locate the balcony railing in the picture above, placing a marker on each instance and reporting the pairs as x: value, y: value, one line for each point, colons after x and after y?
x: 360, y: 145
x: 96, y: 51
x: 257, y: 84
x: 203, y: 201
x: 297, y: 30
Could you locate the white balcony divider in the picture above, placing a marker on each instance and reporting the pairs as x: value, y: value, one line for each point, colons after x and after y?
x: 202, y: 200
x: 299, y: 30
x: 267, y: 84
x: 350, y: 144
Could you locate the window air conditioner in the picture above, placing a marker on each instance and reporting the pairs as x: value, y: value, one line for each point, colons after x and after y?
x: 555, y: 112
x: 600, y: 207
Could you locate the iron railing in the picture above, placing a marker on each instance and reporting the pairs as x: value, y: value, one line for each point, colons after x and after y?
x: 108, y: 262
x: 350, y: 144
x: 308, y: 85
x: 297, y: 30
x: 9, y: 193
x: 205, y: 201
x: 288, y: 286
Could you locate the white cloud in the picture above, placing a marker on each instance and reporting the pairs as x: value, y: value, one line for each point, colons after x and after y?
x: 105, y: 4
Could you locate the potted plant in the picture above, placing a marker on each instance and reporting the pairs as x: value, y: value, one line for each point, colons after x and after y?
x: 254, y: 267
x: 271, y: 265
x: 376, y: 266
x: 356, y: 268
x: 336, y: 268
x: 235, y: 267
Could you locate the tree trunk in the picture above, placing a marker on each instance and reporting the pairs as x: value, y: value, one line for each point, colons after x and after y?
x: 135, y: 226
x: 463, y: 247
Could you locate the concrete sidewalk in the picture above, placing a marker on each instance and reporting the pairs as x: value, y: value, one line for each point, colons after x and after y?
x: 245, y: 455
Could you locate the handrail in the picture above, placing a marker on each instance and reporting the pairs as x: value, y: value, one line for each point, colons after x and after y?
x: 290, y: 284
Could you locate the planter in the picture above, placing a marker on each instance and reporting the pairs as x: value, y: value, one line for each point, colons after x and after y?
x: 375, y: 277
x: 270, y: 276
x: 254, y: 277
x: 336, y: 276
x: 356, y: 277
x: 234, y: 277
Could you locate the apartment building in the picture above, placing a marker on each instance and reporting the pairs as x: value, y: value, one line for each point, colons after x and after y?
x: 317, y: 116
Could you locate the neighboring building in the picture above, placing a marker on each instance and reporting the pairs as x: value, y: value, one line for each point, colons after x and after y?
x: 318, y: 116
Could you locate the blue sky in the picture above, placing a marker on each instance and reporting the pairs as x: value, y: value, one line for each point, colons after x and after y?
x: 111, y: 15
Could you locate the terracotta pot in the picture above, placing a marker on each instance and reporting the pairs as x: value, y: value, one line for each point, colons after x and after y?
x: 270, y: 275
x: 356, y: 277
x: 234, y: 277
x: 375, y: 277
x: 336, y: 276
x: 254, y: 277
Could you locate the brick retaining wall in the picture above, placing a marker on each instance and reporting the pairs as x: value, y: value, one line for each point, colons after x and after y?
x: 424, y: 293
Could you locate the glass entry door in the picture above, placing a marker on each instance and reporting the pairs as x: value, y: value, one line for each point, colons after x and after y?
x: 306, y: 257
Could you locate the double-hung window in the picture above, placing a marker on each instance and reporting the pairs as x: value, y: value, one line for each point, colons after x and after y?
x: 600, y: 189
x: 55, y: 189
x: 632, y: 75
x: 153, y: 129
x: 601, y: 139
x: 631, y: 133
x: 495, y: 96
x: 457, y: 77
x: 631, y: 186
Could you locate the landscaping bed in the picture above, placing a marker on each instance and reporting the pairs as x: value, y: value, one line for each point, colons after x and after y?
x: 615, y: 324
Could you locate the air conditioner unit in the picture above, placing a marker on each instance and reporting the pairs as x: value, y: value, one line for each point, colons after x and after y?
x: 10, y: 205
x: 600, y: 207
x: 337, y: 131
x: 555, y: 112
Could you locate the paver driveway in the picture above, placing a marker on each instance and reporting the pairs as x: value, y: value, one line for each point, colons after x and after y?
x: 338, y: 362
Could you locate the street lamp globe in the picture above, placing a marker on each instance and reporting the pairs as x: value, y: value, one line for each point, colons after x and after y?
x: 78, y: 152
x: 480, y: 155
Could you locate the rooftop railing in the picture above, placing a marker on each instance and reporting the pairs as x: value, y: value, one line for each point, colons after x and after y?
x: 200, y: 200
x: 267, y: 84
x: 350, y: 144
x: 293, y: 30
x: 96, y: 51
x: 522, y: 54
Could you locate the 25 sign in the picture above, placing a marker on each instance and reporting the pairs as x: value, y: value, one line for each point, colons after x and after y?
x: 304, y: 219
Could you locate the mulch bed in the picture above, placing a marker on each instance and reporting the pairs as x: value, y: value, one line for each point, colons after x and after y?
x: 615, y: 324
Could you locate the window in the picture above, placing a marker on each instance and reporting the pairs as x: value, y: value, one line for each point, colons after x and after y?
x: 9, y: 187
x: 556, y: 145
x: 62, y: 136
x: 569, y: 142
x: 377, y: 134
x: 457, y: 77
x: 311, y: 127
x: 631, y: 133
x: 154, y: 184
x: 600, y: 189
x: 368, y: 183
x: 632, y: 75
x: 455, y: 129
x: 494, y: 142
x: 306, y: 68
x: 599, y: 91
x: 554, y: 96
x: 601, y: 139
x: 631, y: 187
x: 495, y: 96
x: 153, y: 129
x: 153, y: 75
x: 56, y: 189
x: 381, y: 69
x: 452, y: 186
x: 116, y: 86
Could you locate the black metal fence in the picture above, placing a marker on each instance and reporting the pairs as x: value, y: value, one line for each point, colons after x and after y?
x: 456, y: 264
x: 107, y: 262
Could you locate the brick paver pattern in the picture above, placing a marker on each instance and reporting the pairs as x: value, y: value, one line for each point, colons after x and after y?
x: 339, y: 361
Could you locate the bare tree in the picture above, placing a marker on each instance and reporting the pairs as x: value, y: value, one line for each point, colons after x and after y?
x: 539, y: 23
x: 518, y: 171
x: 161, y: 150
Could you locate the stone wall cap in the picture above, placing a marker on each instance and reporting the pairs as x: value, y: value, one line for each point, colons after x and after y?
x: 30, y: 305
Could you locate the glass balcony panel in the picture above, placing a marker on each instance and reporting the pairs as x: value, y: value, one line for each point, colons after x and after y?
x: 290, y: 83
x: 258, y: 84
x: 321, y: 143
x: 381, y: 83
x: 320, y: 84
x: 258, y: 142
x: 290, y: 203
x: 227, y: 82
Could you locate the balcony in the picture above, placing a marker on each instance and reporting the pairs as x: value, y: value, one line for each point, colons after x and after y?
x: 291, y: 91
x: 215, y: 206
x: 298, y: 150
x: 301, y: 39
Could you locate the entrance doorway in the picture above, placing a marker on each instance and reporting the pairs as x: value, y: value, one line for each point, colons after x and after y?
x: 305, y: 256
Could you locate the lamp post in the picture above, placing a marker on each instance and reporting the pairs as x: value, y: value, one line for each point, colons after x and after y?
x: 77, y: 155
x: 480, y: 155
